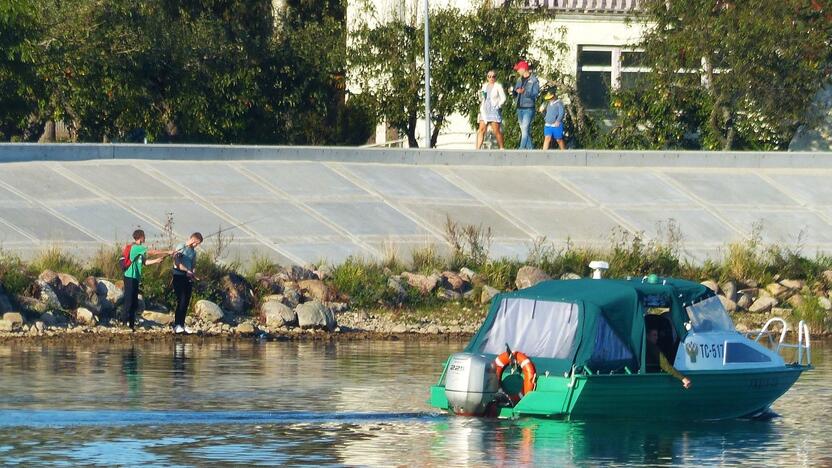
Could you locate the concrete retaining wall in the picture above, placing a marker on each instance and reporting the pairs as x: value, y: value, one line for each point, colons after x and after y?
x: 304, y: 204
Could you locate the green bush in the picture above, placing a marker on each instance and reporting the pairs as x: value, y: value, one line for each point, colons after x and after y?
x: 363, y: 282
x: 58, y: 261
x: 811, y: 312
x: 426, y: 260
x: 15, y: 275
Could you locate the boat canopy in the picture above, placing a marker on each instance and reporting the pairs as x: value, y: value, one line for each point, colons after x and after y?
x: 598, y: 323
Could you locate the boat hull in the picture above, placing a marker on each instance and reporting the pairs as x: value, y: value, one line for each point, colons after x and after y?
x: 713, y: 395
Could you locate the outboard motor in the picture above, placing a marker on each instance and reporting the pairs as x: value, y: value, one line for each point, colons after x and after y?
x: 470, y: 383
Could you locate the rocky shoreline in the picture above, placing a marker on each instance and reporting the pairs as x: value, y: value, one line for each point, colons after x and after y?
x: 298, y: 304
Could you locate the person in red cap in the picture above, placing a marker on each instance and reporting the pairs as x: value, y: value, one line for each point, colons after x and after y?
x: 525, y: 94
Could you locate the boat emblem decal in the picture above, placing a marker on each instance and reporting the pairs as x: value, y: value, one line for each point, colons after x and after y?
x: 692, y: 350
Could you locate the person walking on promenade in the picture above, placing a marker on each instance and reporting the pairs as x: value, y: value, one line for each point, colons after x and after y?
x: 553, y: 126
x: 184, y: 273
x: 492, y: 98
x: 138, y: 257
x: 525, y: 93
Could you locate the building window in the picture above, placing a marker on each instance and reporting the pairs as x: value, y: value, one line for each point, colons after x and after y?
x: 601, y: 68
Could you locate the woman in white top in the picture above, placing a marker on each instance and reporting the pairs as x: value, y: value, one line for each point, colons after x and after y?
x: 492, y: 98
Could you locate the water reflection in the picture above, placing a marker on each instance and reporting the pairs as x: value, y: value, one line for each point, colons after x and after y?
x: 192, y: 402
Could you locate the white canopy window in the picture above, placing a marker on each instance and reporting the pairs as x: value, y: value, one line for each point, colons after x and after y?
x: 538, y: 328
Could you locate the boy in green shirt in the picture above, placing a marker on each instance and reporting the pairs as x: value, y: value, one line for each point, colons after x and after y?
x: 133, y: 274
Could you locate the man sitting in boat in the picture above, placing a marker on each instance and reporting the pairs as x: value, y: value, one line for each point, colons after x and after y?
x: 656, y: 359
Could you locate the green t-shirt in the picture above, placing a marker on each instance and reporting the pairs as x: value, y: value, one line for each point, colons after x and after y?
x: 138, y: 254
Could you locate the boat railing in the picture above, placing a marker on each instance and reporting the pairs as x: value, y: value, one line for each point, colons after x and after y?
x: 804, y: 341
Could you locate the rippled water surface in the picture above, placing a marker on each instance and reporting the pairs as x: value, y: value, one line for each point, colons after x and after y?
x: 354, y: 403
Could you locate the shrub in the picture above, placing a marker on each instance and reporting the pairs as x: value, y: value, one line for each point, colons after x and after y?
x: 500, y: 273
x: 363, y: 282
x: 426, y: 260
x: 469, y: 244
x: 15, y: 275
x: 811, y: 312
x: 58, y: 261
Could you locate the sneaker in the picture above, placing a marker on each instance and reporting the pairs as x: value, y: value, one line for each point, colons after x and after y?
x: 179, y: 329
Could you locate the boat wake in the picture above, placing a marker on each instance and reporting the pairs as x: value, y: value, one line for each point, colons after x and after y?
x: 71, y: 418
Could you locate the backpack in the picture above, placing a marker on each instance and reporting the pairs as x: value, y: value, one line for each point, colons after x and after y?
x: 124, y: 261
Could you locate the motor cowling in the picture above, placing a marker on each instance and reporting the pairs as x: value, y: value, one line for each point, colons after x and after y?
x: 470, y: 383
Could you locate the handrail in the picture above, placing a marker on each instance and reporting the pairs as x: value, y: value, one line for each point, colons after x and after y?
x: 768, y: 334
x: 804, y: 341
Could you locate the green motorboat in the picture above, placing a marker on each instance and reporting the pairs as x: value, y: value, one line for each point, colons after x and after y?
x: 579, y: 349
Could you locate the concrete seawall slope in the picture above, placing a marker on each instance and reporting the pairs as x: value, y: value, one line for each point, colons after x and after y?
x: 301, y: 204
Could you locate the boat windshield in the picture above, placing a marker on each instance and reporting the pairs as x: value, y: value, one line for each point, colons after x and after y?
x: 709, y: 315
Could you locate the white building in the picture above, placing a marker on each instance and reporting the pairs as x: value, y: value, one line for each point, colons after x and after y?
x: 600, y: 49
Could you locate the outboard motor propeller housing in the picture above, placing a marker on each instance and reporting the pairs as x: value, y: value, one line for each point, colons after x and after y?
x: 470, y: 383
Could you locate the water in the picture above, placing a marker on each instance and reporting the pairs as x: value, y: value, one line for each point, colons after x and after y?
x: 352, y: 403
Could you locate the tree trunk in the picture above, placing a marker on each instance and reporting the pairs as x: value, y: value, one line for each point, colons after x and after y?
x: 440, y: 120
x: 48, y: 135
x: 730, y: 133
x: 411, y: 129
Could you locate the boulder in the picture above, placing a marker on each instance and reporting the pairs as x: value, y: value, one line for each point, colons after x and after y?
x: 246, y: 328
x: 488, y: 293
x: 85, y: 317
x: 315, y: 289
x: 108, y: 289
x: 394, y: 283
x: 827, y: 277
x: 570, y: 276
x: 314, y: 314
x: 276, y: 314
x: 291, y: 297
x: 468, y: 274
x: 730, y: 290
x: 47, y: 297
x: 14, y: 317
x: 793, y: 284
x: 425, y: 284
x: 451, y: 280
x: 6, y: 326
x: 52, y: 320
x: 710, y: 284
x: 825, y: 303
x: 237, y: 296
x: 796, y: 300
x: 763, y: 304
x: 728, y: 304
x: 5, y: 302
x: 448, y: 294
x: 207, y: 311
x: 529, y: 276
x: 66, y: 288
x: 298, y: 273
x: 778, y: 290
x: 158, y: 317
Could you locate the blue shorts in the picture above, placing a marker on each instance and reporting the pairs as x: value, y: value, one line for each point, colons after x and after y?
x: 554, y: 132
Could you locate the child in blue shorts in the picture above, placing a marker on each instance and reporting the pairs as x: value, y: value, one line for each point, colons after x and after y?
x: 553, y: 127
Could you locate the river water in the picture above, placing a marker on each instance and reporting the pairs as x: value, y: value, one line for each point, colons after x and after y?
x: 196, y: 403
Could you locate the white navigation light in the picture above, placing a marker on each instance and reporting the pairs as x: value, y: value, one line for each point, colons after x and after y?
x: 598, y: 268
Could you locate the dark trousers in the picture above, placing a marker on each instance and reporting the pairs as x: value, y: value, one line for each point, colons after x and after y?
x: 182, y: 287
x: 131, y: 299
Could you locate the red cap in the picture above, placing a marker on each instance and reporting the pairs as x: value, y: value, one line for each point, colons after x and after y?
x: 522, y: 65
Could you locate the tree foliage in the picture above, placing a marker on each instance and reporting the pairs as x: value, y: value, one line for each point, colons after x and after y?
x: 388, y: 65
x: 736, y: 74
x: 224, y: 71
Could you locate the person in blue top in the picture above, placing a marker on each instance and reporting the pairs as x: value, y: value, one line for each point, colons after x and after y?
x: 133, y: 274
x: 554, y: 113
x: 184, y: 274
x: 525, y: 92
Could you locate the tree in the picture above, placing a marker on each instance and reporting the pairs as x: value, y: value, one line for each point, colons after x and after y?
x: 20, y: 90
x: 740, y: 73
x: 388, y: 65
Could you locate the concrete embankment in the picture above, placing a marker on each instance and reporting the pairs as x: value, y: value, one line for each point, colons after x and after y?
x: 304, y: 205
